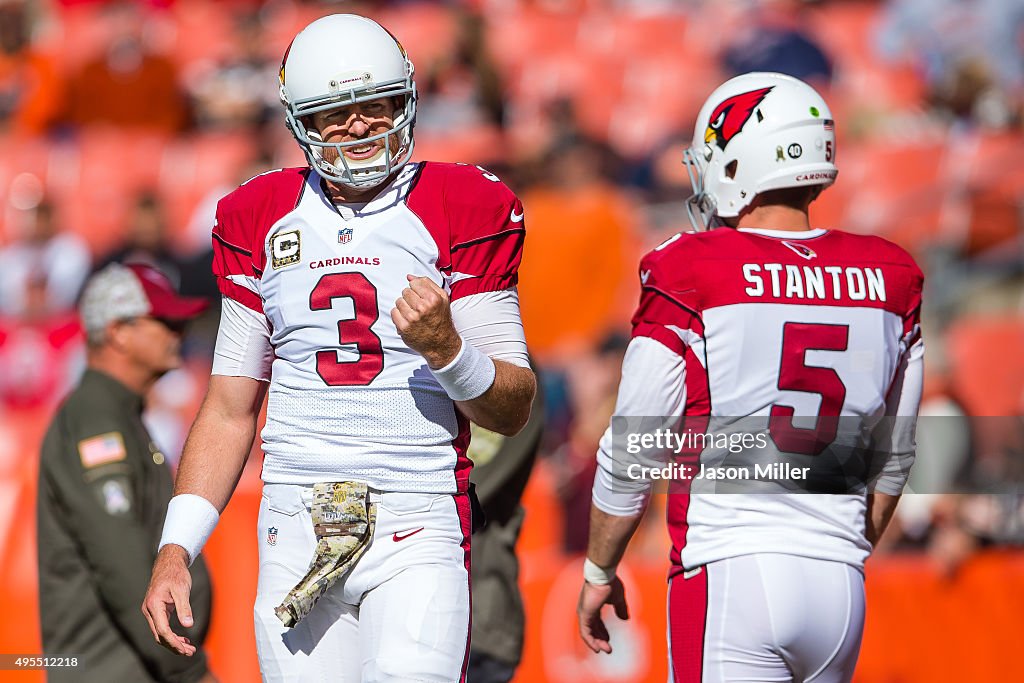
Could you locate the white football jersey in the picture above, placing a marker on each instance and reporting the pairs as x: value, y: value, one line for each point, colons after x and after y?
x: 783, y: 329
x: 348, y: 400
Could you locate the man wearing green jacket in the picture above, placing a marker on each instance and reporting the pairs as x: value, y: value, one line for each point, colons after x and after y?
x: 104, y: 488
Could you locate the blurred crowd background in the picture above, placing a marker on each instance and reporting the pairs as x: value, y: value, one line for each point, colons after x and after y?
x: 122, y: 123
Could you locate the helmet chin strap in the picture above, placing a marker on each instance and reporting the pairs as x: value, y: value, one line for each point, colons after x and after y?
x: 342, y: 169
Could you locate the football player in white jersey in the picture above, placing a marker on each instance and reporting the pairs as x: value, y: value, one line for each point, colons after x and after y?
x: 375, y: 299
x: 766, y: 319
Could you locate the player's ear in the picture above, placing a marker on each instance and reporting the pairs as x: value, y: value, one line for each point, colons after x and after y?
x: 115, y: 334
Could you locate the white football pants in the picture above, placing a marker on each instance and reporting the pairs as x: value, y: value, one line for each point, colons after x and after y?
x: 764, y: 618
x: 401, y: 615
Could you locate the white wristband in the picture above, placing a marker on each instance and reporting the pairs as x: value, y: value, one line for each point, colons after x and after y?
x: 468, y: 376
x: 599, y: 576
x: 189, y: 523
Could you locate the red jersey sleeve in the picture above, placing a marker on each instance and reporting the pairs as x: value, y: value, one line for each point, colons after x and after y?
x: 912, y: 318
x: 668, y: 310
x: 244, y: 217
x: 477, y: 223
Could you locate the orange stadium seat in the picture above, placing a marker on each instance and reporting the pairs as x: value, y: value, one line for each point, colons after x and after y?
x: 286, y: 20
x: 658, y: 97
x: 517, y: 38
x: 641, y: 34
x: 78, y: 35
x: 909, y: 211
x: 847, y: 31
x: 479, y: 145
x: 994, y: 180
x: 191, y: 167
x: 23, y: 168
x: 987, y: 357
x: 203, y: 31
x: 427, y: 31
x: 98, y: 180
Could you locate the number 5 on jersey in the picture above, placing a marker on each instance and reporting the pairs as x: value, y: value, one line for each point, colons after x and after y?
x: 796, y: 375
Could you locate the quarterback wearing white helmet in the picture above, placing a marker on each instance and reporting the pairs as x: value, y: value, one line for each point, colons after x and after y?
x: 782, y: 328
x: 373, y: 301
x: 322, y: 75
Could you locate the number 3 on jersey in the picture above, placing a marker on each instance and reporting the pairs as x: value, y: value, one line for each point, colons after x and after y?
x: 796, y: 375
x: 357, y: 330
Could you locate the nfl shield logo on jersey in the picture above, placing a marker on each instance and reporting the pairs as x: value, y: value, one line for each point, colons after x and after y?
x: 272, y: 535
x: 344, y: 235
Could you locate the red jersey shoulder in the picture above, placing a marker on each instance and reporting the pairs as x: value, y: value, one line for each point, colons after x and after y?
x: 464, y: 184
x: 877, y: 249
x: 475, y: 202
x: 246, y: 214
x: 476, y: 222
x: 672, y: 263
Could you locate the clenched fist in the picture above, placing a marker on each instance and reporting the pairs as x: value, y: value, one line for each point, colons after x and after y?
x: 423, y: 317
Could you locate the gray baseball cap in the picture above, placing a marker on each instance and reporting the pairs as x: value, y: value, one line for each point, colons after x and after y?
x: 122, y: 291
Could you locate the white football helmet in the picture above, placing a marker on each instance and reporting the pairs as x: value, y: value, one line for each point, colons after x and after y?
x: 336, y: 61
x: 757, y: 132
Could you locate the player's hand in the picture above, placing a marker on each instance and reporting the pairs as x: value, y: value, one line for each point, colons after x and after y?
x: 169, y: 588
x: 423, y: 317
x: 588, y: 611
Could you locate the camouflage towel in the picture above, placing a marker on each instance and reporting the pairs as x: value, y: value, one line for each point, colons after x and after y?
x: 343, y: 519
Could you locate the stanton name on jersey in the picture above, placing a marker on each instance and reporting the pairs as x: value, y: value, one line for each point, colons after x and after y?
x: 815, y: 282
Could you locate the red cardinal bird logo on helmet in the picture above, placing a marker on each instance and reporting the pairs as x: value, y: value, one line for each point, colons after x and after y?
x: 730, y: 116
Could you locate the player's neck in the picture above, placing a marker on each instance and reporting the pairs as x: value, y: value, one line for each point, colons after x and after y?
x: 775, y: 217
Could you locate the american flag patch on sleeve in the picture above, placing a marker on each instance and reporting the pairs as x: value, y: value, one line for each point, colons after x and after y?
x: 102, y: 449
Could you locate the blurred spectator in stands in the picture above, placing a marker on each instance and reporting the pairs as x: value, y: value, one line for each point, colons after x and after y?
x: 242, y: 91
x: 30, y: 86
x: 147, y: 240
x: 41, y: 352
x: 128, y: 85
x: 42, y: 270
x: 463, y: 89
x: 774, y: 39
x: 196, y: 245
x: 968, y: 94
x: 966, y: 524
x: 943, y: 462
x: 577, y: 280
x: 662, y: 180
x: 970, y: 54
x: 592, y: 380
x: 501, y: 469
x: 41, y: 273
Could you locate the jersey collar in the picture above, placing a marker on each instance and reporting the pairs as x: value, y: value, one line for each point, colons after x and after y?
x: 787, y: 234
